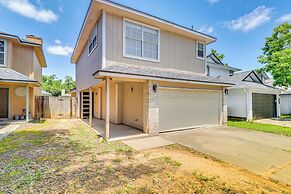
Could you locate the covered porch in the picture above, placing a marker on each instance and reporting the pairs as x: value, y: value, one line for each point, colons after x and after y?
x: 17, y: 96
x: 115, y: 107
x: 116, y: 132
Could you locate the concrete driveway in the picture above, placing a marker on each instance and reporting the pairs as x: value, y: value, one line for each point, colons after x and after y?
x: 266, y: 154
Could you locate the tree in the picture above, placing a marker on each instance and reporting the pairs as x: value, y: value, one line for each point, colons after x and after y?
x: 54, y: 85
x: 277, y: 55
x: 220, y: 56
x: 69, y: 84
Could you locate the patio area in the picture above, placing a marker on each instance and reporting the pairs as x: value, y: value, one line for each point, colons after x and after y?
x: 116, y: 132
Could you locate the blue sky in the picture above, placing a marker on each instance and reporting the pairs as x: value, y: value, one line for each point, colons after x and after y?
x: 240, y: 25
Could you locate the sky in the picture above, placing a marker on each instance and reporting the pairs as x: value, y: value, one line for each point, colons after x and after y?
x: 240, y: 26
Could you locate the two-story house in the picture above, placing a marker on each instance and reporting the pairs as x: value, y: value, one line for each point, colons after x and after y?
x: 21, y: 63
x: 139, y: 70
x: 216, y: 68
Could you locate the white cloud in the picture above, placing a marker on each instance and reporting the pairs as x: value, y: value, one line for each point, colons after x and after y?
x: 212, y: 1
x: 206, y: 29
x: 59, y: 49
x: 27, y: 9
x: 250, y: 21
x: 57, y: 41
x: 284, y: 18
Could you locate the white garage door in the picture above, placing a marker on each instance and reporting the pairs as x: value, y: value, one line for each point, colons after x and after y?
x: 186, y: 108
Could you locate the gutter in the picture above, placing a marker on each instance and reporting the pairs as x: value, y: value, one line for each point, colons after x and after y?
x: 19, y: 40
x: 112, y: 73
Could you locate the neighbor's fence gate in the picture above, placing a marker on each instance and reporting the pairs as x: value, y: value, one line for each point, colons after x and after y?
x: 50, y: 107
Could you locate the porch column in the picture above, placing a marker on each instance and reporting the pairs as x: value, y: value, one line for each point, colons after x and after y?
x: 107, y: 108
x: 81, y: 104
x: 249, y: 105
x: 99, y: 103
x: 224, y: 105
x: 90, y: 107
x: 27, y: 103
x: 278, y: 104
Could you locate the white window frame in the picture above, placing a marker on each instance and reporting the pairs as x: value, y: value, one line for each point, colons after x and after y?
x: 142, y: 25
x: 95, y: 26
x: 5, y: 53
x: 198, y: 42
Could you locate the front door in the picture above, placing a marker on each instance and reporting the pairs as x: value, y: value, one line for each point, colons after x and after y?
x: 4, y: 96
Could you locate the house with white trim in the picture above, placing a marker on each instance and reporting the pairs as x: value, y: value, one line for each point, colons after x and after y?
x: 135, y: 71
x: 215, y: 67
x: 251, y: 98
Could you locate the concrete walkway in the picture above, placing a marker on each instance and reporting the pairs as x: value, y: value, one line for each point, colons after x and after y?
x: 263, y: 153
x: 6, y: 130
x: 147, y: 143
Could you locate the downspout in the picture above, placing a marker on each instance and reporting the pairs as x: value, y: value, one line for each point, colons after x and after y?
x: 246, y: 95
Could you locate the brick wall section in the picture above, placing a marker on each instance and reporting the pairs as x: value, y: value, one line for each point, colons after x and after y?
x: 151, y: 109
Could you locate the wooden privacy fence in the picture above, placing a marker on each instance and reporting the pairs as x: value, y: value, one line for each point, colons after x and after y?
x: 51, y: 107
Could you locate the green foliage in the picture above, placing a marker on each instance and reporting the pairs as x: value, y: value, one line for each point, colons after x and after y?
x: 220, y: 56
x: 54, y: 85
x: 277, y: 55
x: 261, y: 127
x: 69, y: 84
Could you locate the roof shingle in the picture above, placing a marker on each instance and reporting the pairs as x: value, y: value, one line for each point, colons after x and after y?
x: 7, y: 74
x: 161, y: 73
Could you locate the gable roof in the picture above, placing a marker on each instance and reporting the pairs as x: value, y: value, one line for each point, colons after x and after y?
x: 213, y: 60
x: 96, y: 8
x: 37, y: 47
x: 246, y: 79
x: 146, y: 72
x: 9, y: 75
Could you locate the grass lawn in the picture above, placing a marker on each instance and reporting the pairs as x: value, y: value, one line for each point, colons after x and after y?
x: 285, y: 116
x: 65, y: 156
x: 261, y: 127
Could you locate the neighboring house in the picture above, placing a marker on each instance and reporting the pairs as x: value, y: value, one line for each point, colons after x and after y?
x: 73, y: 92
x: 285, y: 97
x: 215, y: 68
x: 21, y: 63
x: 136, y: 69
x: 45, y: 93
x: 251, y: 98
x: 286, y: 102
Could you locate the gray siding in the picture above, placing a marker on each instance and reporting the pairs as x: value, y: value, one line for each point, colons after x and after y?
x: 87, y: 65
x: 176, y: 51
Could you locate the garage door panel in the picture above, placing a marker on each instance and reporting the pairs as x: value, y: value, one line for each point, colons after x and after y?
x: 188, y: 108
x: 264, y: 105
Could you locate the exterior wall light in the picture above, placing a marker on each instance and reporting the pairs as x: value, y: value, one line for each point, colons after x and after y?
x: 155, y: 87
x: 226, y: 91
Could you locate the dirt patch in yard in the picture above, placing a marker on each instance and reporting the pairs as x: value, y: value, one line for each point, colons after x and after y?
x: 65, y: 156
x: 209, y: 169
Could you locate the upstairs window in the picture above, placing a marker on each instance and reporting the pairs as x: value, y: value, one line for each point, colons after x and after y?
x: 200, y: 50
x: 140, y: 41
x: 93, y: 42
x: 2, y: 52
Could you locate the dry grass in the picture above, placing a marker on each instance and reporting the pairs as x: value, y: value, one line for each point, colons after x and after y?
x: 67, y: 157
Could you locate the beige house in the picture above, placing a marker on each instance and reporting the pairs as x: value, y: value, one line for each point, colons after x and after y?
x: 21, y: 63
x: 142, y: 71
